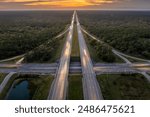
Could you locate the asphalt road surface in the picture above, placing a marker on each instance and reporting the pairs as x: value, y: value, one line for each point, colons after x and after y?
x: 5, y: 81
x: 58, y: 90
x: 76, y: 68
x: 91, y: 87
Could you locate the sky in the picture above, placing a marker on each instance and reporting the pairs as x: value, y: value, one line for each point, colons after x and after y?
x: 75, y: 4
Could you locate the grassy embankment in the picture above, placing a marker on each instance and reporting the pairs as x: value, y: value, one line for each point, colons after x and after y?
x: 124, y: 87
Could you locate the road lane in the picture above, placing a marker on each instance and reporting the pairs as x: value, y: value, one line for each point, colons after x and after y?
x: 13, y: 58
x: 122, y: 57
x: 135, y: 58
x: 5, y: 81
x: 91, y: 87
x: 75, y: 68
x: 58, y: 90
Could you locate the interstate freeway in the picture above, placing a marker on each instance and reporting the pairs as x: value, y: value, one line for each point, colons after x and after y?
x: 58, y: 91
x: 91, y: 87
x: 64, y: 67
x: 75, y: 68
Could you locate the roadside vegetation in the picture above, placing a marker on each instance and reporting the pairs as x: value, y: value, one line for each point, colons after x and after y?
x: 22, y: 31
x: 40, y: 87
x: 75, y: 89
x: 124, y: 86
x: 49, y: 51
x: 126, y: 31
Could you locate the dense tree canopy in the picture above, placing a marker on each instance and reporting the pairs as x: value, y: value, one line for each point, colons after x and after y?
x: 22, y: 31
x: 127, y: 31
x: 103, y: 51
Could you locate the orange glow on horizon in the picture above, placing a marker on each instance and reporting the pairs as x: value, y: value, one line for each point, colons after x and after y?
x: 62, y: 3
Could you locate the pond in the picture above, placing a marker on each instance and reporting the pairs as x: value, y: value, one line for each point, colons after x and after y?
x: 19, y: 91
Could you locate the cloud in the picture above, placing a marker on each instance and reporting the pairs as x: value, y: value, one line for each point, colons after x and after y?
x: 100, y: 1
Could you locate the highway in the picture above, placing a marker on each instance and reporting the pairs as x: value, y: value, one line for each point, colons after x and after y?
x: 13, y: 58
x: 58, y: 90
x: 122, y: 57
x: 135, y: 58
x: 91, y: 87
x: 75, y: 68
x: 140, y: 67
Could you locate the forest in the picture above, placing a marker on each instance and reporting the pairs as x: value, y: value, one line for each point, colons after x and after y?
x: 22, y: 31
x: 102, y: 51
x: 46, y: 52
x: 126, y: 31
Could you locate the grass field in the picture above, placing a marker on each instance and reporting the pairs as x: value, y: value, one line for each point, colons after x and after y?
x: 75, y: 90
x: 75, y: 54
x: 75, y: 43
x: 124, y: 87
